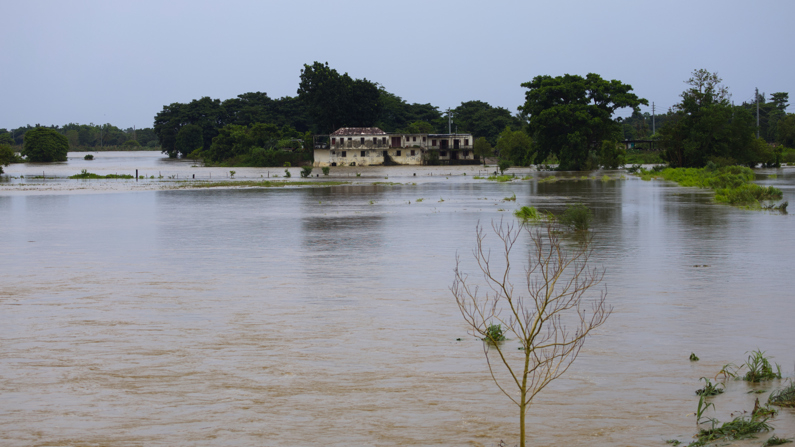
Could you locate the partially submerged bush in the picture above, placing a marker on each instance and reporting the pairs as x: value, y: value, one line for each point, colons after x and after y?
x: 760, y: 369
x: 577, y: 217
x: 306, y: 171
x: 325, y: 170
x: 88, y: 157
x: 494, y: 334
x: 527, y: 213
x: 784, y: 397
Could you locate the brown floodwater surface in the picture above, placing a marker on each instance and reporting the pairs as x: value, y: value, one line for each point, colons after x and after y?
x: 322, y: 316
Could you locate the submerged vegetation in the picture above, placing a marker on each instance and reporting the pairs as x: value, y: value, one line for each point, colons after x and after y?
x: 784, y: 397
x: 732, y: 184
x: 256, y: 184
x: 578, y: 217
x: 84, y: 174
x: 760, y: 369
x: 527, y: 213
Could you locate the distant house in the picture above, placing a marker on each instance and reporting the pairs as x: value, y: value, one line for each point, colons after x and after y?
x: 370, y: 146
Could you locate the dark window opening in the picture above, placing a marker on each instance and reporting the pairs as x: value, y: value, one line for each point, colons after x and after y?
x: 442, y: 153
x: 362, y: 140
x: 334, y: 164
x: 344, y: 153
x: 433, y: 143
x: 423, y: 139
x: 383, y: 140
x: 466, y: 142
x: 397, y: 153
x: 333, y: 141
x: 362, y: 153
x: 386, y: 154
x: 412, y: 152
x: 413, y: 138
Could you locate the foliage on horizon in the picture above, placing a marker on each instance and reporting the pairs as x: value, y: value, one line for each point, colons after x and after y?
x: 570, y: 115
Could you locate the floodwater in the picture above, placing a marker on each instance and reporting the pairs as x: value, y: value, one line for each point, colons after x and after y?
x: 322, y: 316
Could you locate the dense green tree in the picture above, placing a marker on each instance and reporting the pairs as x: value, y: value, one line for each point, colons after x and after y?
x: 189, y: 138
x: 482, y: 149
x: 515, y: 146
x: 336, y: 100
x: 207, y: 113
x: 7, y: 156
x: 45, y: 145
x: 5, y: 137
x: 707, y: 127
x: 770, y: 112
x: 786, y: 131
x: 396, y: 114
x: 482, y: 120
x: 570, y: 115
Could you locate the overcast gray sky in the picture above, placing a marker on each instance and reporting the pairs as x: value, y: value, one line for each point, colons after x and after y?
x: 120, y: 62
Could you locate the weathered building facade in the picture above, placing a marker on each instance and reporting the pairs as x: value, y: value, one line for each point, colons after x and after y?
x: 368, y: 146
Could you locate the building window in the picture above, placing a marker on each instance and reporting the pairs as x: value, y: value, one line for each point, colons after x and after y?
x: 375, y: 140
x: 397, y: 153
x: 423, y: 139
x: 362, y: 140
x: 433, y: 143
x: 466, y: 142
x: 442, y: 153
x: 386, y: 154
x: 383, y: 140
x: 413, y: 138
x: 412, y: 152
x: 349, y: 139
x: 362, y: 153
x: 344, y: 153
x: 333, y: 141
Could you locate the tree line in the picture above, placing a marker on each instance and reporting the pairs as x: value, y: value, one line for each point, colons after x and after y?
x: 89, y: 137
x: 231, y: 131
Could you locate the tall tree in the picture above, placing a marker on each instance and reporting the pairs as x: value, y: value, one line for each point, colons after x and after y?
x: 481, y: 119
x: 336, y: 100
x: 570, y: 115
x: 705, y: 126
x: 45, y: 145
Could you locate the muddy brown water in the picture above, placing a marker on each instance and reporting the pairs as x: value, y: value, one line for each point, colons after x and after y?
x: 309, y: 316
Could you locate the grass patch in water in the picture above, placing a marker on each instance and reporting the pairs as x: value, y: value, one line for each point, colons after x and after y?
x: 732, y: 184
x: 510, y: 199
x: 775, y: 440
x: 760, y: 369
x: 84, y: 174
x: 784, y: 397
x: 527, y: 213
x: 257, y: 184
x: 577, y: 217
x: 710, y: 389
x: 740, y: 428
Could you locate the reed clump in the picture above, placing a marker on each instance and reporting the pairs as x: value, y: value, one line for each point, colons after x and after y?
x: 784, y: 397
x: 732, y: 184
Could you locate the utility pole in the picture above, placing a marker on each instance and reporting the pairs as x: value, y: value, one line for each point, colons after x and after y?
x: 757, y: 113
x: 449, y: 121
x: 653, y: 124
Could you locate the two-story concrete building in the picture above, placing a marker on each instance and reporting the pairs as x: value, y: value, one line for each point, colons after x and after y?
x: 368, y: 146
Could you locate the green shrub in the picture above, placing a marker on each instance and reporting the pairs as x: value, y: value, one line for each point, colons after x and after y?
x: 88, y: 157
x: 760, y: 369
x: 45, y: 145
x: 306, y: 171
x: 612, y: 155
x: 784, y: 397
x: 325, y: 170
x: 527, y: 213
x: 287, y: 173
x: 577, y: 217
x: 494, y: 334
